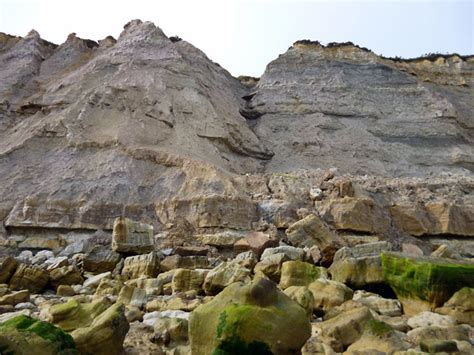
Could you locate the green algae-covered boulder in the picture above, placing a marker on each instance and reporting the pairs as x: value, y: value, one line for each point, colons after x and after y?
x: 254, y: 318
x: 106, y: 333
x: 300, y: 273
x: 72, y: 314
x: 424, y: 283
x: 24, y: 335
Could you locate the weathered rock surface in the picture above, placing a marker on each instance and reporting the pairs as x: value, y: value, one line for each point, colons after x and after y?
x: 337, y: 97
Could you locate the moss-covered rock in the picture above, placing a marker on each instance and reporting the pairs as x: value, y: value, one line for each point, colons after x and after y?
x: 300, y: 273
x: 249, y: 319
x: 25, y: 335
x: 106, y: 333
x: 72, y: 314
x: 423, y: 283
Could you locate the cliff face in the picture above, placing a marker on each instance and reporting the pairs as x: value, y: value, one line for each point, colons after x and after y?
x: 346, y: 107
x: 150, y: 128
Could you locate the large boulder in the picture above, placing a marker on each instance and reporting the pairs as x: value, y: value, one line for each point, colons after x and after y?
x: 424, y: 283
x: 100, y: 259
x: 223, y: 275
x: 255, y: 241
x: 355, y: 214
x: 132, y: 237
x: 383, y: 306
x: 15, y: 297
x: 23, y: 335
x: 147, y: 265
x: 255, y: 318
x: 66, y: 275
x: 29, y: 277
x: 303, y: 296
x: 360, y: 265
x: 300, y: 273
x: 271, y: 265
x: 73, y: 315
x: 106, y: 333
x: 346, y: 328
x: 311, y: 231
x: 328, y: 294
x: 187, y: 280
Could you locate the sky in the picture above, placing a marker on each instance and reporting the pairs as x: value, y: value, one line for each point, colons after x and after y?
x: 243, y: 36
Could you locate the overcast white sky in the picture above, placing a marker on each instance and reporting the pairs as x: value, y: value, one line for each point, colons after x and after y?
x: 244, y: 36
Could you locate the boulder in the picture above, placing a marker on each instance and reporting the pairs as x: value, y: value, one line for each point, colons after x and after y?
x: 132, y: 296
x: 15, y: 297
x: 187, y: 280
x: 171, y: 332
x: 132, y: 237
x: 7, y: 269
x: 154, y: 286
x: 346, y: 328
x: 328, y: 294
x: 312, y: 231
x: 303, y: 296
x: 435, y: 346
x: 66, y: 275
x: 424, y: 283
x: 73, y: 315
x: 246, y: 259
x: 411, y: 218
x: 184, y: 262
x: 108, y: 287
x: 65, y: 291
x: 426, y: 319
x: 379, y: 337
x: 456, y: 332
x: 175, y: 302
x: 355, y: 214
x: 451, y: 218
x: 100, y: 259
x: 280, y: 213
x: 94, y: 281
x: 360, y: 265
x: 23, y: 335
x: 271, y: 266
x: 255, y: 318
x: 147, y: 265
x: 223, y: 275
x: 292, y: 253
x: 300, y: 273
x: 222, y: 240
x: 460, y: 306
x: 29, y: 277
x: 106, y: 333
x: 383, y: 306
x: 255, y: 241
x: 192, y: 250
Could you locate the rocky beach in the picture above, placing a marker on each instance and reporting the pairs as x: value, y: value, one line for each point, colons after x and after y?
x: 152, y: 203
